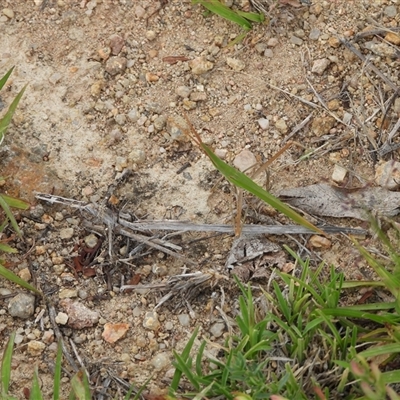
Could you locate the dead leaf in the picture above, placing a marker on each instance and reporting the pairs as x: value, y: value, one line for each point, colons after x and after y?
x: 331, y: 201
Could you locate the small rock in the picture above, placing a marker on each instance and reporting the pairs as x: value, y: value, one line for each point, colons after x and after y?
x: 114, y: 332
x: 121, y: 163
x: 96, y: 88
x: 322, y: 125
x: 66, y: 233
x: 140, y: 12
x: 8, y: 12
x: 339, y: 174
x: 189, y: 104
x: 198, y: 96
x: 392, y: 37
x: 263, y: 123
x: 120, y: 119
x: 160, y: 361
x: 91, y: 240
x: 319, y: 242
x: 116, y: 65
x: 217, y: 329
x: 235, y: 64
x: 36, y: 348
x: 260, y: 47
x: 104, y: 53
x: 389, y: 11
x: 314, y: 34
x: 25, y: 274
x: 268, y: 53
x: 150, y: 321
x: 221, y: 153
x: 184, y: 319
x: 387, y: 175
x: 272, y: 42
x: 150, y: 77
x: 200, y: 65
x: 176, y: 127
x: 296, y: 40
x: 79, y: 316
x: 137, y: 156
x: 61, y: 318
x: 151, y: 35
x: 183, y: 91
x: 133, y: 115
x: 334, y: 42
x: 160, y: 122
x: 116, y: 44
x: 333, y: 104
x: 22, y: 305
x: 244, y: 160
x: 55, y: 78
x: 281, y: 125
x: 67, y: 293
x: 319, y: 66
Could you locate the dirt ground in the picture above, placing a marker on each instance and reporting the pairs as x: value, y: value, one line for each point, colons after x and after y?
x: 103, y: 121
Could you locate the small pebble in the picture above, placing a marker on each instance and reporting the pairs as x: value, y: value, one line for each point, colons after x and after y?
x: 200, y: 65
x: 151, y: 35
x: 183, y: 91
x: 387, y: 175
x: 217, y: 329
x: 150, y: 321
x: 319, y: 66
x: 116, y: 65
x: 244, y: 160
x: 314, y: 34
x: 272, y: 42
x: 263, y: 123
x: 184, y: 319
x: 319, y: 242
x: 389, y: 11
x: 339, y: 174
x: 235, y: 64
x: 66, y: 233
x: 22, y: 305
x: 296, y: 40
x: 36, y: 348
x: 61, y: 318
x: 91, y: 240
x: 8, y: 12
x: 281, y: 125
x: 160, y: 361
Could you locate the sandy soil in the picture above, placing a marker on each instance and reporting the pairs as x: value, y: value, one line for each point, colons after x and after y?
x: 103, y: 121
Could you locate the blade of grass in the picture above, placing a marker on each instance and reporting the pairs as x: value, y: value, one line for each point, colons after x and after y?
x: 80, y: 386
x: 6, y: 365
x: 4, y: 79
x: 14, y: 202
x: 225, y: 12
x: 57, y: 373
x: 36, y: 394
x: 7, y: 249
x: 6, y: 273
x: 4, y: 205
x: 185, y: 355
x: 5, y: 121
x: 241, y: 180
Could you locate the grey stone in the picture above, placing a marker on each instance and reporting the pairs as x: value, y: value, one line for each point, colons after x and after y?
x: 22, y: 305
x: 184, y: 319
x: 244, y: 160
x: 217, y: 329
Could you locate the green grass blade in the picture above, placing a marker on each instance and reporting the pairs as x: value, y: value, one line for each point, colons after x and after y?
x: 140, y: 391
x: 380, y: 350
x: 253, y: 17
x: 57, y: 373
x: 178, y: 373
x: 15, y: 203
x: 6, y: 208
x: 80, y: 386
x: 4, y: 79
x: 6, y: 273
x: 225, y: 12
x: 348, y: 313
x: 180, y: 364
x: 36, y: 393
x: 241, y: 180
x: 7, y: 249
x: 5, y: 121
x: 6, y: 365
